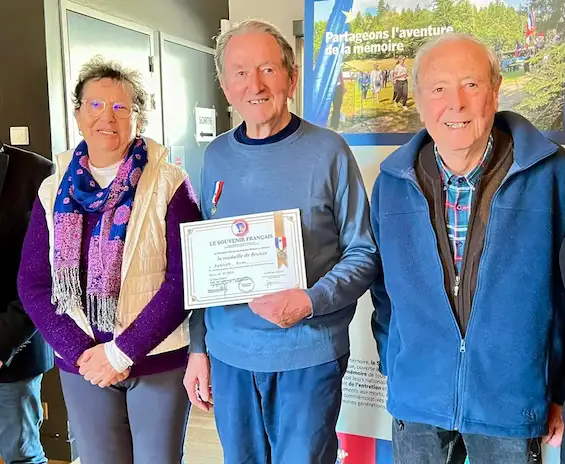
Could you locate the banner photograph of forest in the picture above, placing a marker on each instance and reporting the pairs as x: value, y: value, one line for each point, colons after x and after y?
x: 363, y: 52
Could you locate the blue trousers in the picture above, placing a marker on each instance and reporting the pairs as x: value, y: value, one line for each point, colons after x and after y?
x: 21, y: 416
x: 141, y: 420
x: 425, y: 444
x: 279, y: 417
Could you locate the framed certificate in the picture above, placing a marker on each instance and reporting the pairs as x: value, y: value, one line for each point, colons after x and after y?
x: 233, y: 260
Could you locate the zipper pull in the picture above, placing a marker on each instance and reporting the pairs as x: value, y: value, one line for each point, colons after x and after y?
x: 463, y: 346
x: 456, y: 287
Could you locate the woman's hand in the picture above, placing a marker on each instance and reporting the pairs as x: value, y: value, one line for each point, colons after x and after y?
x: 95, y: 367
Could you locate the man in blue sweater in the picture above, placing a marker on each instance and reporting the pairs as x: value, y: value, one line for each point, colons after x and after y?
x: 469, y: 217
x: 277, y: 363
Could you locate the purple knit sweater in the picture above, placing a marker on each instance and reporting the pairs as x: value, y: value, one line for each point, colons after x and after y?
x: 164, y: 313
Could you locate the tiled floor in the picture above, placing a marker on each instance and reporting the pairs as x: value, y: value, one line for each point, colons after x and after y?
x: 202, y: 445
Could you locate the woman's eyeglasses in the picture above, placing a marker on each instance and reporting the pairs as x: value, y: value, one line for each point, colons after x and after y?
x: 96, y: 107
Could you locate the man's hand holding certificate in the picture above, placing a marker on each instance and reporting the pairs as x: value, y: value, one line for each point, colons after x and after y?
x: 284, y: 308
x: 236, y: 260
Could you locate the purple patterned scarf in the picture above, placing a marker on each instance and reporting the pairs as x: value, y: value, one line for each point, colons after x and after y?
x: 80, y: 194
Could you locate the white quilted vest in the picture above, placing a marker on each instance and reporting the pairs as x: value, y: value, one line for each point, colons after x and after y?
x: 145, y: 260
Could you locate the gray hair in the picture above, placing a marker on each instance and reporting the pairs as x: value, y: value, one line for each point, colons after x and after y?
x: 258, y: 26
x: 453, y: 37
x: 100, y: 68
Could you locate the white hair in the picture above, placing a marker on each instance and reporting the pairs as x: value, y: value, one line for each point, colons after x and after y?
x: 453, y: 37
x: 258, y: 26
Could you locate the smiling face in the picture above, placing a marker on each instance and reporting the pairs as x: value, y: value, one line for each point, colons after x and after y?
x: 107, y: 136
x: 456, y: 97
x: 255, y: 80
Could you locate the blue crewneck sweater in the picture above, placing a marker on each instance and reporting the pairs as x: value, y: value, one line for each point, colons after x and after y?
x: 314, y: 170
x: 240, y: 133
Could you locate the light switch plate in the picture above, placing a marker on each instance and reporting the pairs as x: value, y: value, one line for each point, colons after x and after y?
x: 19, y: 135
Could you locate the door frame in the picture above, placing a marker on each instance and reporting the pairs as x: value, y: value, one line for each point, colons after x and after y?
x: 68, y: 5
x: 163, y: 37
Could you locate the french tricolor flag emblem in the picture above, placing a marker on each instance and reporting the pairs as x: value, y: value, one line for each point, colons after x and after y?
x: 280, y: 243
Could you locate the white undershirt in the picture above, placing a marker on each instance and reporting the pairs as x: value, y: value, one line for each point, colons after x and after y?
x: 116, y: 357
x: 105, y: 176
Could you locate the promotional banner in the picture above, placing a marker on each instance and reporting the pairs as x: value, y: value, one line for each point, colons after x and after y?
x: 359, y: 56
x: 358, y: 59
x: 364, y: 426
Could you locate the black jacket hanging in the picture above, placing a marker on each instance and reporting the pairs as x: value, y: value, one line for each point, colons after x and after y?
x: 23, y: 351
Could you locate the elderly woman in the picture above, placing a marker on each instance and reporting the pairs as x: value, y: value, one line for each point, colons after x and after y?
x: 102, y: 276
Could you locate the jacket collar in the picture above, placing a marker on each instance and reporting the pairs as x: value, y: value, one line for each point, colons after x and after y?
x: 530, y: 146
x: 4, y: 159
x: 156, y: 153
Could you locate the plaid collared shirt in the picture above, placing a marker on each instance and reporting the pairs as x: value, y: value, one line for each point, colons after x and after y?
x: 459, y: 193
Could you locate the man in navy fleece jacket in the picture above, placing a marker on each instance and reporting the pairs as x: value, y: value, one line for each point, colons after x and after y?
x: 469, y: 217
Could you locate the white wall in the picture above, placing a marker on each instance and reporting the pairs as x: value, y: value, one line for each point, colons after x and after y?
x: 279, y: 12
